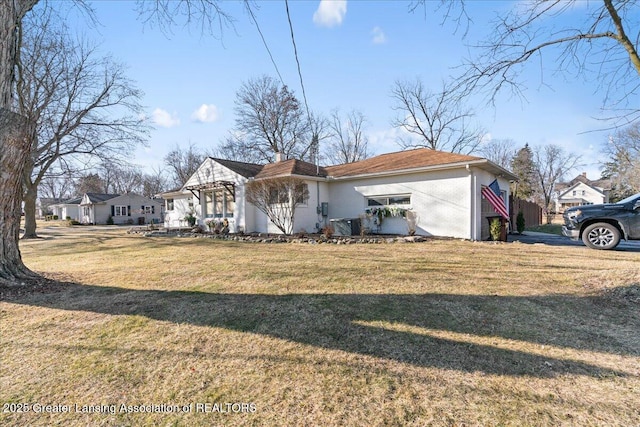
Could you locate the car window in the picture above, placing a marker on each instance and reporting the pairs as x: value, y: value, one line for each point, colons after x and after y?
x: 629, y: 199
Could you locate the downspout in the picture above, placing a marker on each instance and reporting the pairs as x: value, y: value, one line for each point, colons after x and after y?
x: 473, y: 203
x: 318, y: 209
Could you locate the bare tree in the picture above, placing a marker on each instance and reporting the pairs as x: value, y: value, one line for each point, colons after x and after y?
x: 347, y: 142
x: 91, y: 183
x: 499, y: 151
x: 270, y: 121
x: 601, y: 47
x: 122, y: 178
x: 183, y: 163
x: 623, y: 163
x: 551, y: 164
x: 154, y: 183
x: 278, y: 199
x: 77, y: 103
x: 15, y: 148
x: 438, y: 120
x: 57, y: 184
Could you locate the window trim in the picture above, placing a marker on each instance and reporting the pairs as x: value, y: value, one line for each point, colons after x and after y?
x: 120, y: 210
x: 387, y: 200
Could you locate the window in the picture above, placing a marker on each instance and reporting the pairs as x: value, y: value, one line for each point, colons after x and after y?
x: 208, y: 205
x: 230, y: 204
x: 169, y: 204
x: 120, y: 211
x: 302, y: 192
x: 218, y: 196
x: 277, y: 195
x: 86, y: 211
x: 389, y: 201
x: 574, y: 192
x: 148, y: 209
x: 219, y: 203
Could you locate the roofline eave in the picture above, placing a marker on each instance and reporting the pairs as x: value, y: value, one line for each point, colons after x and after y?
x: 503, y: 172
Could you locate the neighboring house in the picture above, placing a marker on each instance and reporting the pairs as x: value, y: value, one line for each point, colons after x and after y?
x: 581, y: 191
x: 127, y: 208
x: 67, y: 209
x: 43, y: 206
x: 442, y: 189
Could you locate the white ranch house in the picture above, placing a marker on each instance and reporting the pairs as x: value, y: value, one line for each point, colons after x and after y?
x: 442, y: 189
x: 68, y: 209
x: 130, y: 208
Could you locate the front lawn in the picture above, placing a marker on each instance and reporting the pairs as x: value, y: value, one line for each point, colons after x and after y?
x: 200, y: 332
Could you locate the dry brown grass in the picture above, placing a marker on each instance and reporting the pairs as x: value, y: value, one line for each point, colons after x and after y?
x: 440, y: 333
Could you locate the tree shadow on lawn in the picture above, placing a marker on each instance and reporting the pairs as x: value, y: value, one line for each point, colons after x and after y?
x: 364, y: 323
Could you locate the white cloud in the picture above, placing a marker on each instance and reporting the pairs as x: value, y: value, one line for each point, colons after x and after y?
x: 206, y: 113
x: 165, y: 119
x: 330, y: 13
x: 378, y: 36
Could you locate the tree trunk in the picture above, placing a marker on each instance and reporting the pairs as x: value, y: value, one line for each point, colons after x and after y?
x: 14, y: 151
x: 30, y: 198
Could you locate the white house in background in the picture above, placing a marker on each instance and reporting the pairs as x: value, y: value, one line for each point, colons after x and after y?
x: 130, y: 208
x: 442, y: 189
x: 581, y: 191
x: 67, y: 209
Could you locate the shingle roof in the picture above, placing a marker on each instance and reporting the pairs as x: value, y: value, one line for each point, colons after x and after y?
x: 74, y: 201
x: 100, y: 197
x: 247, y: 170
x: 398, y: 161
x: 290, y: 167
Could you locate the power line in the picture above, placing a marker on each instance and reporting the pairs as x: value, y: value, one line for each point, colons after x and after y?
x: 255, y: 21
x: 295, y: 51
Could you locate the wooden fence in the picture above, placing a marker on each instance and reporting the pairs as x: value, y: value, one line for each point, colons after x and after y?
x: 531, y: 211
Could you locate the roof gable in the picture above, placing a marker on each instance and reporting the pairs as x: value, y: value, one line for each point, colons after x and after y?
x: 399, y: 161
x: 580, y: 183
x: 290, y: 167
x: 98, y: 197
x: 247, y: 170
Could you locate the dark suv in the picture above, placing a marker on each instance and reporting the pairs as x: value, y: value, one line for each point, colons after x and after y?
x: 602, y: 226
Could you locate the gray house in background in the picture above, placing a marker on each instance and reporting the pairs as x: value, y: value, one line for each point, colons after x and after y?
x: 130, y: 208
x: 67, y: 209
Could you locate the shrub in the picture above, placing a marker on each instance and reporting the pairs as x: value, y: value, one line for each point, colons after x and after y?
x: 520, y: 222
x: 495, y: 229
x: 55, y: 217
x: 110, y: 220
x: 327, y: 231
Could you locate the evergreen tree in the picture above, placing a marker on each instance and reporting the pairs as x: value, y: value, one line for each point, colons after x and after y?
x: 523, y: 167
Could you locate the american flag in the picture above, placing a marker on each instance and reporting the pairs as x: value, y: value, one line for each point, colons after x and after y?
x: 492, y: 194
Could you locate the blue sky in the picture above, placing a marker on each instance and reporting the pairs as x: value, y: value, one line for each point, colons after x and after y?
x: 350, y: 55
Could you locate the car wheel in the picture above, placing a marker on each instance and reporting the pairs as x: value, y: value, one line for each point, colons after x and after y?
x: 601, y: 235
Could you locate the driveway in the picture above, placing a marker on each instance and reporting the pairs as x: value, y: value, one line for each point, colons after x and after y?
x: 532, y: 237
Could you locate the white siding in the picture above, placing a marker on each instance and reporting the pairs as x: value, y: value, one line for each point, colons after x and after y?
x: 175, y: 218
x: 307, y: 219
x: 441, y: 200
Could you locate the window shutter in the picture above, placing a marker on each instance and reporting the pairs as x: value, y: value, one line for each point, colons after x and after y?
x: 113, y: 210
x: 142, y: 211
x: 128, y: 210
x: 153, y: 210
